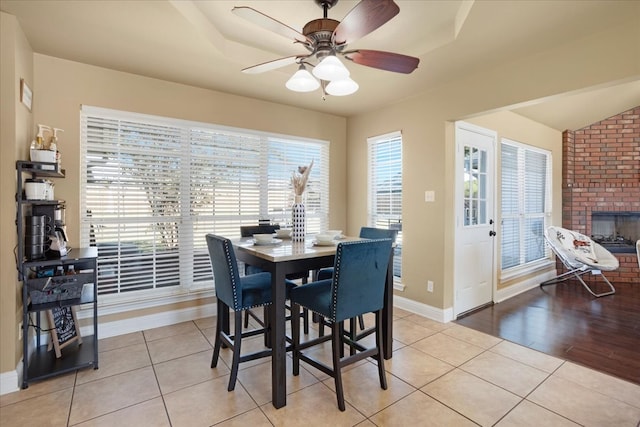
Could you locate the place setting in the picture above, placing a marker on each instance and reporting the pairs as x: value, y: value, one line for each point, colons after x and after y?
x: 328, y: 238
x: 265, y: 240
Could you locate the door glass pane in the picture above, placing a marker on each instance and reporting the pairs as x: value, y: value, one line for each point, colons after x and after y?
x: 482, y: 188
x: 475, y: 186
x: 467, y: 179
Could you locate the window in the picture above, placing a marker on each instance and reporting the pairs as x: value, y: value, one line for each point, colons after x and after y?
x: 385, y: 188
x: 152, y: 187
x: 526, y: 203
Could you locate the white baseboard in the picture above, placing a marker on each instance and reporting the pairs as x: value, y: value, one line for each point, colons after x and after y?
x: 10, y: 381
x: 433, y: 313
x: 532, y: 282
x: 446, y: 315
x: 166, y: 318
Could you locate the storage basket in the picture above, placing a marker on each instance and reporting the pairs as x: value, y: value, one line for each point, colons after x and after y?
x: 57, y: 288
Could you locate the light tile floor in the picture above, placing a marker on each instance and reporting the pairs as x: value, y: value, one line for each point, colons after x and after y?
x: 440, y: 375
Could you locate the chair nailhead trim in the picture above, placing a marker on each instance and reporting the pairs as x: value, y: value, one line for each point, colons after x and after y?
x: 227, y: 249
x: 336, y: 273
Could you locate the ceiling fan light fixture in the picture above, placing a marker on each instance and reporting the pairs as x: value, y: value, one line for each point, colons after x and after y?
x: 330, y: 69
x: 342, y: 87
x: 302, y: 81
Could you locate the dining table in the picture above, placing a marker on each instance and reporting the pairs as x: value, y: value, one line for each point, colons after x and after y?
x: 284, y: 256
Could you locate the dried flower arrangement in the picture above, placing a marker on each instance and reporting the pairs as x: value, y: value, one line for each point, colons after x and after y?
x: 299, y: 179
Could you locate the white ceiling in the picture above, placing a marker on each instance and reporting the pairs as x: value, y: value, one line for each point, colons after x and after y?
x: 203, y: 44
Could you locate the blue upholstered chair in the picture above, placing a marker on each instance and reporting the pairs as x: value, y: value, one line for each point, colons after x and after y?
x: 236, y: 293
x: 303, y: 276
x: 356, y: 288
x: 365, y: 233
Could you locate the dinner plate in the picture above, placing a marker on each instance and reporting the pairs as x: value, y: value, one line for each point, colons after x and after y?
x: 316, y: 243
x: 273, y: 242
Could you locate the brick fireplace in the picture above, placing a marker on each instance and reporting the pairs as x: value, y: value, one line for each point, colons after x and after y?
x: 601, y: 173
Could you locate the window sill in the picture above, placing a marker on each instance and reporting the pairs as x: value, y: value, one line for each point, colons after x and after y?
x: 534, y: 267
x: 115, y: 304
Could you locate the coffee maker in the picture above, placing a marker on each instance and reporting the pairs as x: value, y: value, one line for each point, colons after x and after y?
x: 57, y: 237
x: 58, y: 221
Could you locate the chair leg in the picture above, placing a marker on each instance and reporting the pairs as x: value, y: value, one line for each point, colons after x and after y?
x: 320, y: 326
x: 305, y: 311
x: 237, y: 342
x: 341, y: 329
x: 246, y: 318
x: 577, y: 273
x: 379, y: 356
x: 218, y: 342
x: 352, y: 335
x: 295, y: 331
x: 266, y: 323
x: 305, y: 320
x: 337, y: 348
x: 361, y: 321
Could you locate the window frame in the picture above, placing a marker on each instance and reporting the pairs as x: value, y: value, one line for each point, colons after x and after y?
x: 522, y: 216
x: 373, y: 217
x: 271, y: 155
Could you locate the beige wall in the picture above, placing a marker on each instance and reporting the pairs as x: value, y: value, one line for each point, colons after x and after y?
x: 520, y: 129
x: 15, y: 128
x: 60, y: 87
x: 428, y: 142
x: 63, y: 86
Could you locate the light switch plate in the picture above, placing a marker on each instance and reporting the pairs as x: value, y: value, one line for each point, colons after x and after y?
x: 430, y: 196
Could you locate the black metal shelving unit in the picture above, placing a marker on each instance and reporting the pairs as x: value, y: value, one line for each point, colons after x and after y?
x: 42, y: 363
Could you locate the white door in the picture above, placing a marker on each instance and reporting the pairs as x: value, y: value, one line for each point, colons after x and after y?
x: 475, y: 221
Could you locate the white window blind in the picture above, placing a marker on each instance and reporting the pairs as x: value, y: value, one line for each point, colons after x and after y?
x: 526, y: 203
x: 153, y: 187
x: 385, y: 188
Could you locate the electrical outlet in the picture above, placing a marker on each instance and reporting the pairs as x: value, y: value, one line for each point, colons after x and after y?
x: 429, y: 286
x: 20, y: 331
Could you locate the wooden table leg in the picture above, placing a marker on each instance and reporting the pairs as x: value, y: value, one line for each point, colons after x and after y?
x: 387, y: 313
x: 278, y: 339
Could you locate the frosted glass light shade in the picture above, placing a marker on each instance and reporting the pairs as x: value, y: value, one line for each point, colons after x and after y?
x: 302, y: 81
x: 342, y: 87
x: 330, y: 69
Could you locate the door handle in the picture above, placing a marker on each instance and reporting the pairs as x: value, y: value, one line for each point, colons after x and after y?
x: 492, y: 233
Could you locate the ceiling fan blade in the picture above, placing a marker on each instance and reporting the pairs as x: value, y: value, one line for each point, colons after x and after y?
x: 269, y: 23
x: 365, y: 17
x: 388, y: 61
x: 272, y: 65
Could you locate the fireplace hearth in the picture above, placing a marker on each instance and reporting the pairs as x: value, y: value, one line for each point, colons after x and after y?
x: 616, y: 231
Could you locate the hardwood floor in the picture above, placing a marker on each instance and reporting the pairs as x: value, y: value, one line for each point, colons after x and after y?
x: 564, y: 320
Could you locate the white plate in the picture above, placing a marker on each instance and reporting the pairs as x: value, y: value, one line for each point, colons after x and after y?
x: 271, y: 243
x: 316, y: 243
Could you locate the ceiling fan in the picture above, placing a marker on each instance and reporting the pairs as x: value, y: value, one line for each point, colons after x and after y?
x: 326, y: 38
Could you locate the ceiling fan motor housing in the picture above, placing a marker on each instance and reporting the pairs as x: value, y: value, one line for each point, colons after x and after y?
x: 326, y: 37
x: 321, y: 31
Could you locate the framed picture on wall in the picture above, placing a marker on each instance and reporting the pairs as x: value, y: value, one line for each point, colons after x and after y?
x: 26, y: 96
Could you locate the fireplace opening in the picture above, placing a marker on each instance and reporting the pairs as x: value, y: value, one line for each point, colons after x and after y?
x: 616, y: 231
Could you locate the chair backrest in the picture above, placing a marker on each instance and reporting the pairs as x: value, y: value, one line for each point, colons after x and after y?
x: 378, y: 233
x: 250, y: 230
x: 360, y: 271
x: 225, y: 270
x: 577, y: 250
